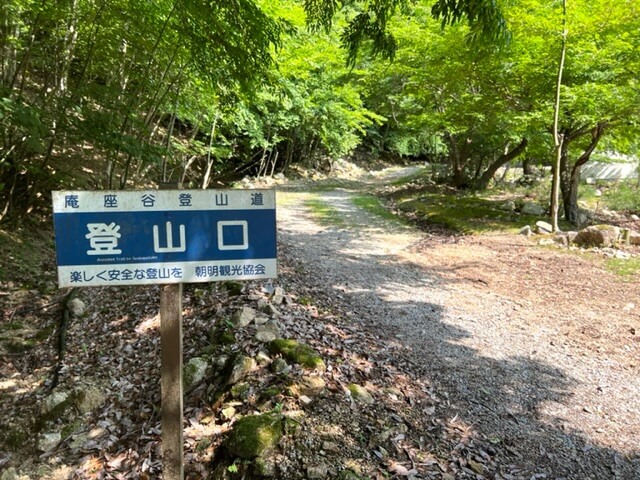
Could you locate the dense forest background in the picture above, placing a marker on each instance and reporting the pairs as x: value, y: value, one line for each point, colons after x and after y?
x: 98, y: 94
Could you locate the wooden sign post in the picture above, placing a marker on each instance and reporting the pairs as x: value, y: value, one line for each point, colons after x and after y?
x: 167, y: 237
x: 171, y: 381
x: 171, y: 375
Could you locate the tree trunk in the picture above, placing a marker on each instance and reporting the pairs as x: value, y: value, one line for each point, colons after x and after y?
x: 486, y: 177
x: 69, y: 45
x: 207, y: 173
x: 458, y: 178
x: 558, y: 139
x: 569, y: 194
x: 527, y: 166
x: 570, y: 175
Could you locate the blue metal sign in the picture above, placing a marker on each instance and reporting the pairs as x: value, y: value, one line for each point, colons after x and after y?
x: 166, y: 236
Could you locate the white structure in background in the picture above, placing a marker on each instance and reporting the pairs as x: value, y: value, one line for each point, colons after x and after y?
x: 624, y: 167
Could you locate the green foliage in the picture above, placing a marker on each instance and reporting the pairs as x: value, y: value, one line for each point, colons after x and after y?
x: 368, y: 23
x: 624, y: 196
x: 120, y: 94
x: 111, y: 78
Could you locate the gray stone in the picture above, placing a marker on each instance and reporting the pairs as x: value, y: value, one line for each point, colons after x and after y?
x: 571, y: 236
x: 54, y: 401
x: 271, y: 310
x: 76, y: 307
x: 279, y: 365
x: 562, y: 239
x: 526, y: 231
x: 635, y: 217
x: 243, y: 317
x: 268, y: 332
x: 330, y: 446
x: 194, y: 371
x: 241, y: 367
x: 88, y: 398
x: 598, y: 236
x: 634, y: 238
x: 278, y: 296
x: 508, y: 206
x: 263, y: 358
x: 546, y: 241
x: 360, y: 394
x: 49, y: 441
x: 583, y: 219
x: 532, y: 208
x: 308, y: 385
x: 543, y: 227
x: 316, y: 472
x: 78, y: 441
x: 265, y: 336
x: 220, y: 362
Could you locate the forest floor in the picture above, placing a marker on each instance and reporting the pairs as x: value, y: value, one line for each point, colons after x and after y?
x: 484, y: 357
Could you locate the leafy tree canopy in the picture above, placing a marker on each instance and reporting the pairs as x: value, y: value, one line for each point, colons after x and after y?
x: 369, y: 21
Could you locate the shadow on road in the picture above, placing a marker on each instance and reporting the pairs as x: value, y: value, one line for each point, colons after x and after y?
x: 500, y: 397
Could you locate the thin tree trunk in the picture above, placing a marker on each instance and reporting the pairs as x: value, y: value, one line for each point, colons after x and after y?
x: 10, y: 52
x: 273, y: 163
x: 26, y: 56
x: 168, y: 146
x: 70, y: 39
x: 557, y: 137
x: 207, y: 173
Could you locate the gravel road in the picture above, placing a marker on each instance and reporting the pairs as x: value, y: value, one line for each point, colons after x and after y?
x: 517, y: 366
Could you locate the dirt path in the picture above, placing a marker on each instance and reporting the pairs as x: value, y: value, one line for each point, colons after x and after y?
x: 536, y: 350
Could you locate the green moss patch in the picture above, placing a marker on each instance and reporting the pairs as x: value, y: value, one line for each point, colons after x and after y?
x: 255, y: 436
x: 466, y: 215
x: 297, y: 353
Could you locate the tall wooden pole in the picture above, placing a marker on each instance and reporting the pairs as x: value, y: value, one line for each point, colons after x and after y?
x: 171, y: 378
x: 558, y: 139
x: 171, y: 381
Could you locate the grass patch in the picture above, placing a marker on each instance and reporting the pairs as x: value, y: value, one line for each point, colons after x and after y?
x: 373, y: 205
x: 625, y: 268
x: 624, y: 196
x: 464, y: 213
x: 326, y: 215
